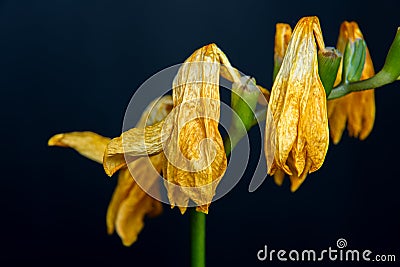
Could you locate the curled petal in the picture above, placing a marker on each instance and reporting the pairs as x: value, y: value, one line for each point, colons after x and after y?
x: 88, y: 144
x: 140, y: 141
x: 133, y: 143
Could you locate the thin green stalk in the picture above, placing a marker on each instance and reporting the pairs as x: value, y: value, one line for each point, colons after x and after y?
x: 197, y: 238
x: 379, y: 80
x: 389, y: 73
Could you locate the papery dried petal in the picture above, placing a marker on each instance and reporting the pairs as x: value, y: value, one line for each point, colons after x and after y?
x: 298, y: 124
x: 121, y: 191
x: 134, y: 143
x: 296, y: 180
x: 195, y: 155
x: 88, y: 144
x: 140, y: 141
x: 130, y: 204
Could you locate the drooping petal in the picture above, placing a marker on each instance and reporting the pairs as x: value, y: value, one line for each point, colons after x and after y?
x: 140, y: 141
x: 337, y: 116
x: 361, y: 119
x: 130, y: 203
x: 121, y: 192
x: 135, y: 142
x: 298, y: 124
x: 88, y: 144
x: 296, y: 180
x: 195, y: 156
x: 131, y: 200
x: 279, y: 176
x: 356, y: 109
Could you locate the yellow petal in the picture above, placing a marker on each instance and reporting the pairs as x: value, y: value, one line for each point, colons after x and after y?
x: 130, y: 219
x: 279, y: 176
x: 133, y: 143
x: 121, y: 191
x: 283, y: 33
x: 155, y: 112
x: 298, y: 122
x: 88, y: 144
x: 140, y: 141
x: 296, y: 180
x: 337, y: 116
x: 129, y: 203
x: 195, y: 156
x: 361, y: 111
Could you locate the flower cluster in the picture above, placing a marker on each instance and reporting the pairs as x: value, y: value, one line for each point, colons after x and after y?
x: 177, y: 138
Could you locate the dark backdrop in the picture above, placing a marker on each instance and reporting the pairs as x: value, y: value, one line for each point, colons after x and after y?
x: 73, y: 65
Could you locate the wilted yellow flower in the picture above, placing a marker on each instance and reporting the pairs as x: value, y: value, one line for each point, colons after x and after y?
x: 297, y: 134
x: 129, y: 204
x: 357, y: 108
x: 188, y: 139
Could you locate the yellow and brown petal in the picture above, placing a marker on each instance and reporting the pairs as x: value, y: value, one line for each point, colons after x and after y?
x: 201, y: 162
x: 189, y: 140
x: 129, y: 204
x: 297, y: 125
x: 358, y: 108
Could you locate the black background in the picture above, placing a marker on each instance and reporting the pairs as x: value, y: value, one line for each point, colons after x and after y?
x: 73, y: 65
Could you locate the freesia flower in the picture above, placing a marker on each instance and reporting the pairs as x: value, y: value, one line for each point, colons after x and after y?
x: 188, y: 138
x: 129, y: 204
x: 358, y: 108
x: 297, y: 135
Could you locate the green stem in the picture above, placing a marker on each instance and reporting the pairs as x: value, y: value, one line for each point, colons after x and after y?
x: 379, y: 80
x: 389, y: 73
x: 198, y: 238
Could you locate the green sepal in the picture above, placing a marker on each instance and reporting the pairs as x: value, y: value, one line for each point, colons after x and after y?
x: 328, y: 66
x: 353, y: 60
